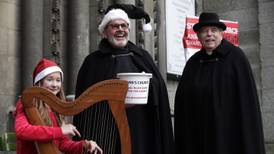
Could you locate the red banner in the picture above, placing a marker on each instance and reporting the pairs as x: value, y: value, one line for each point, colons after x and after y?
x: 231, y: 32
x: 190, y: 39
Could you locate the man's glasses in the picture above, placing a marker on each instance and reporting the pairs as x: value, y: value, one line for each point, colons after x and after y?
x: 118, y: 26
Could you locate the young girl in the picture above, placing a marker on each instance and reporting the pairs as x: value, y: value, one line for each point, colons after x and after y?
x: 48, y: 75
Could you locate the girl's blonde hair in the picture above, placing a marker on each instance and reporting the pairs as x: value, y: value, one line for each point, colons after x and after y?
x: 43, y: 109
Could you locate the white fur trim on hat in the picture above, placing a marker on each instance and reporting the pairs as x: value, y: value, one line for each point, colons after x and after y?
x: 113, y: 15
x: 46, y: 72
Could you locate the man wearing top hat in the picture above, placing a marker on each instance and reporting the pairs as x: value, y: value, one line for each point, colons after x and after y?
x: 150, y: 124
x: 217, y: 110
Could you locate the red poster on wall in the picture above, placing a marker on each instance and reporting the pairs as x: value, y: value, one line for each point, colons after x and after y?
x: 190, y: 39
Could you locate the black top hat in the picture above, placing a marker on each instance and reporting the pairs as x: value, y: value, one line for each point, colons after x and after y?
x: 208, y: 19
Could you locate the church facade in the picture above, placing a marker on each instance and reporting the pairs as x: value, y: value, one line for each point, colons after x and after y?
x: 66, y: 31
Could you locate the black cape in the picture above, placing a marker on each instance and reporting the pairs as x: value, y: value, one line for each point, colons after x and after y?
x: 216, y: 105
x: 96, y: 122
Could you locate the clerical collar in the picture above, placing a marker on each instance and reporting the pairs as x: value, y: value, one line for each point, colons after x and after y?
x: 209, y: 52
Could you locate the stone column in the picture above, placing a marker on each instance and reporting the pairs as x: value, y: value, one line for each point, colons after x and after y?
x: 95, y: 19
x: 78, y: 39
x: 149, y: 42
x: 265, y: 78
x: 161, y: 32
x: 32, y: 38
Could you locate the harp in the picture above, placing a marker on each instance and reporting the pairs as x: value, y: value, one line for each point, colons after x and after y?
x: 114, y: 91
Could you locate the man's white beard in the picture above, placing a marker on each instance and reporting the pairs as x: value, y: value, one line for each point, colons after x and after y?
x: 117, y: 44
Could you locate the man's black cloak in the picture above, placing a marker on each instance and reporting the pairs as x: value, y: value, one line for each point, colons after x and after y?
x: 216, y: 105
x: 96, y: 122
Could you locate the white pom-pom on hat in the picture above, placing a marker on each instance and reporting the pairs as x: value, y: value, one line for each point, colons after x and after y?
x: 147, y: 27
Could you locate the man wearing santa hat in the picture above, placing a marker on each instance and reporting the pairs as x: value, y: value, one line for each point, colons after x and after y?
x: 50, y: 76
x: 150, y: 124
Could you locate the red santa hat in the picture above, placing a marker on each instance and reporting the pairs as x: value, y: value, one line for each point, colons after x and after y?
x: 44, y: 68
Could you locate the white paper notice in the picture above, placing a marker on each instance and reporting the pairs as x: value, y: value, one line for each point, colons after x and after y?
x: 176, y: 11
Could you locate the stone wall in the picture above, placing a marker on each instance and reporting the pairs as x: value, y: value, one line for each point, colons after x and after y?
x: 266, y: 33
x: 9, y: 60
